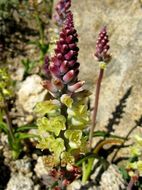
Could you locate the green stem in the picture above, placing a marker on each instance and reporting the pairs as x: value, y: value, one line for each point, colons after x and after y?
x: 8, y: 121
x: 87, y: 168
x: 96, y: 105
x: 41, y: 31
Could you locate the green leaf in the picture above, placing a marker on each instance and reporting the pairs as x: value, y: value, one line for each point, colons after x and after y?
x: 25, y: 136
x: 124, y: 173
x: 26, y: 127
x: 3, y: 126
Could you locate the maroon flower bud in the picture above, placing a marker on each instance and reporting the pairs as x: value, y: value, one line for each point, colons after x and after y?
x: 102, y: 46
x: 62, y: 8
x: 46, y: 67
x: 54, y: 70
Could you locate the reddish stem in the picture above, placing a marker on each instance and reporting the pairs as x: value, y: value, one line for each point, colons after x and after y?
x: 133, y: 181
x: 96, y: 105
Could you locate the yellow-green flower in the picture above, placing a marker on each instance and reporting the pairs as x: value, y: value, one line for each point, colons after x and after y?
x: 74, y: 137
x: 52, y: 124
x: 50, y: 107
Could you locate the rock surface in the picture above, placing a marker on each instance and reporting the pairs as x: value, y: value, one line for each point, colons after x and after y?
x: 111, y: 179
x: 124, y: 22
x: 20, y: 182
x: 30, y: 93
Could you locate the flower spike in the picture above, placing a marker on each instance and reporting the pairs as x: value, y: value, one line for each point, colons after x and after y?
x: 64, y: 66
x: 102, y: 46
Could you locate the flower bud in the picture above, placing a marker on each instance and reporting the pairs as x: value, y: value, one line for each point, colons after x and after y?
x: 102, y: 46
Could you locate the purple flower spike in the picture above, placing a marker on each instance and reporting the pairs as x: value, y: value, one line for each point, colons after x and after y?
x: 102, y: 46
x: 64, y: 67
x: 62, y: 9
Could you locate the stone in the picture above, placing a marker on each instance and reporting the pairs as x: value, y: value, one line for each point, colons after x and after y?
x: 31, y: 92
x: 20, y: 182
x: 21, y: 165
x: 40, y: 168
x: 124, y: 23
x: 111, y: 179
x: 43, y: 172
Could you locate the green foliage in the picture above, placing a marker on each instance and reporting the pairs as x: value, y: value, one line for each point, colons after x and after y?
x: 6, y: 8
x: 6, y: 90
x: 29, y: 65
x: 135, y: 163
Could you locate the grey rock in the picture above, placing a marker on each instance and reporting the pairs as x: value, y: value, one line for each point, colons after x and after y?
x: 20, y: 182
x: 21, y: 165
x: 40, y: 168
x: 31, y: 92
x: 112, y: 179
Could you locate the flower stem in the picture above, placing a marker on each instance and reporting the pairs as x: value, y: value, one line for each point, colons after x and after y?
x: 133, y: 181
x: 96, y: 105
x: 87, y: 168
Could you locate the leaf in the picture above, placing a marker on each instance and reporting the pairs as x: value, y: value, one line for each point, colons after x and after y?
x: 124, y: 173
x: 26, y: 127
x: 3, y: 126
x: 107, y: 142
x: 25, y: 136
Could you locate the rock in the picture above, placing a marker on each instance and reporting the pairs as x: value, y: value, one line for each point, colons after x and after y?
x: 40, y: 168
x: 21, y: 165
x: 124, y: 23
x: 111, y: 179
x: 42, y: 171
x: 20, y: 182
x: 76, y: 185
x: 16, y: 69
x: 30, y: 93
